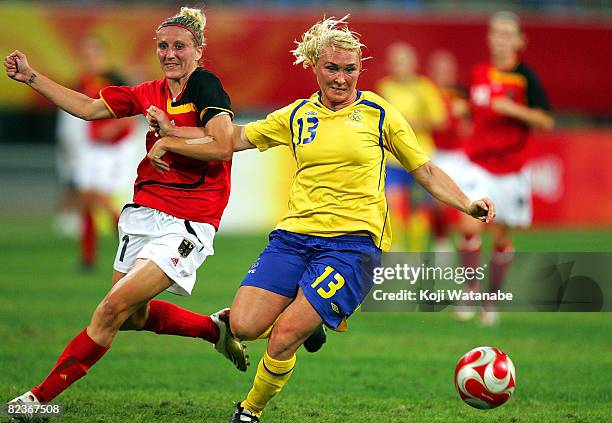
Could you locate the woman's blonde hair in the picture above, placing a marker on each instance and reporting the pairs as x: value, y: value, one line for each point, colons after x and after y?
x: 329, y: 32
x: 193, y: 20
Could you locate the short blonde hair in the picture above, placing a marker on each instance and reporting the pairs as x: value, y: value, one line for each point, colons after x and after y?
x: 193, y: 20
x: 329, y: 32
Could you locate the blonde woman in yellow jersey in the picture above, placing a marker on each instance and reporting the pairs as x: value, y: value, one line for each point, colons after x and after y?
x: 312, y: 271
x: 419, y: 101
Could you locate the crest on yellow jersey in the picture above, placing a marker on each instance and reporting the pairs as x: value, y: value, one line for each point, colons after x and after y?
x: 354, y: 118
x: 355, y: 115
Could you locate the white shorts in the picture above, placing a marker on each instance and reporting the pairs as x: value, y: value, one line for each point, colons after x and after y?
x: 99, y: 167
x: 71, y: 137
x: 452, y: 162
x: 176, y: 245
x: 511, y: 193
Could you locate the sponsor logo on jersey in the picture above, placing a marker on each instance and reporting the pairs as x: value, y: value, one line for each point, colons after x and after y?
x: 174, y: 261
x: 180, y: 109
x: 335, y: 308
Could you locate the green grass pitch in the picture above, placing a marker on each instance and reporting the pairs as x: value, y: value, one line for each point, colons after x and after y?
x: 387, y: 368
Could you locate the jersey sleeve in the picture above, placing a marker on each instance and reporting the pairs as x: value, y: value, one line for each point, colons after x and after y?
x: 121, y: 101
x: 399, y: 140
x: 211, y: 99
x: 272, y: 131
x: 536, y: 96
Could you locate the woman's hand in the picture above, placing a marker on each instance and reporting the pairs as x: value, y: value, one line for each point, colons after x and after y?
x: 158, y: 121
x: 17, y: 67
x: 155, y: 156
x: 483, y: 209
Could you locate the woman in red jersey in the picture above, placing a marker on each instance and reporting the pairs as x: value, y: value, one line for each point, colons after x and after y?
x: 101, y: 150
x: 507, y: 102
x: 168, y: 231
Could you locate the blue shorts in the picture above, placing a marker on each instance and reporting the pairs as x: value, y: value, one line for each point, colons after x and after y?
x: 398, y: 177
x: 334, y: 273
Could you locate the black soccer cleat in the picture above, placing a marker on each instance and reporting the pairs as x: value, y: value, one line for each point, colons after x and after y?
x: 316, y: 340
x: 242, y: 415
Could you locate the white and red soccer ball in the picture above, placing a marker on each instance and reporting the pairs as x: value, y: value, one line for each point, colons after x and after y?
x: 485, y: 378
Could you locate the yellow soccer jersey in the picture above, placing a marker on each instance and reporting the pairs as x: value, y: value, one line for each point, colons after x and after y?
x: 339, y: 185
x: 417, y: 99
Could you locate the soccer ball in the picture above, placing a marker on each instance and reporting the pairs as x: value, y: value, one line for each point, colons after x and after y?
x: 485, y: 378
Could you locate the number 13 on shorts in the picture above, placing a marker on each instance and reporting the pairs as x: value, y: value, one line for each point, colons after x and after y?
x: 332, y: 286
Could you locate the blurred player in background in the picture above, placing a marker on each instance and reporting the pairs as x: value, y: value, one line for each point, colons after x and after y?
x: 507, y: 101
x: 70, y: 136
x: 420, y: 103
x: 312, y: 270
x: 168, y: 231
x: 102, y: 154
x: 449, y: 138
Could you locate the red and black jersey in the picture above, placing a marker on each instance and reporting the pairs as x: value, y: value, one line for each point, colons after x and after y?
x: 499, y: 143
x: 98, y: 130
x: 191, y: 189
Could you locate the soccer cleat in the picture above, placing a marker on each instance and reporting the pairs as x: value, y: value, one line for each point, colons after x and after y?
x: 316, y: 340
x: 243, y: 415
x: 22, y: 402
x: 227, y: 345
x: 463, y: 313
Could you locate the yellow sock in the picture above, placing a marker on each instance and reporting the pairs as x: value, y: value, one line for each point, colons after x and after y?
x: 418, y: 231
x: 266, y: 334
x: 270, y: 378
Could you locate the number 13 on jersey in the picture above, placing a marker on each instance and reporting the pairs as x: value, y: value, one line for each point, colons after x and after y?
x: 312, y: 123
x: 332, y: 286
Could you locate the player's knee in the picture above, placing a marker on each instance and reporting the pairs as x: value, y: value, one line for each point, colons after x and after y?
x: 283, y: 341
x: 470, y: 241
x: 502, y: 242
x: 287, y: 334
x: 110, y: 313
x: 244, y: 328
x: 87, y: 201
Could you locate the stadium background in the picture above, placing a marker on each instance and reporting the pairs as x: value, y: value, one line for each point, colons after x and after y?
x: 390, y: 367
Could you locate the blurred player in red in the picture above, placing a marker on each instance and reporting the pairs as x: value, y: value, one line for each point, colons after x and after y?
x: 448, y: 138
x: 168, y: 231
x: 507, y: 101
x: 102, y: 156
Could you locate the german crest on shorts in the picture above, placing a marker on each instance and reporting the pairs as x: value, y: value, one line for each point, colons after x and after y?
x: 185, y: 248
